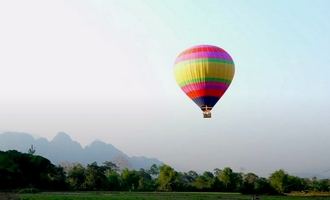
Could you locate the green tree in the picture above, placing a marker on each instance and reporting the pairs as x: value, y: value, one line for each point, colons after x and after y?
x: 130, y: 179
x: 20, y: 170
x: 319, y: 185
x: 112, y: 175
x: 324, y: 185
x: 231, y: 181
x: 182, y: 183
x: 114, y: 181
x: 154, y: 170
x: 295, y: 183
x: 226, y: 176
x: 95, y: 177
x: 188, y: 179
x: 76, y: 177
x: 216, y: 171
x: 249, y: 183
x: 110, y: 166
x: 146, y: 183
x: 192, y: 175
x: 204, y: 182
x: 58, y: 178
x: 279, y: 181
x: 166, y: 179
x: 262, y: 186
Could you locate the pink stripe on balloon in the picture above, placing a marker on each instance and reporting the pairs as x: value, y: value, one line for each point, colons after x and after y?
x: 202, y: 48
x: 219, y: 55
x: 205, y: 45
x: 205, y: 85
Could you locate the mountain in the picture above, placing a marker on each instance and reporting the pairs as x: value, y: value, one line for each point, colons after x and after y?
x: 63, y: 149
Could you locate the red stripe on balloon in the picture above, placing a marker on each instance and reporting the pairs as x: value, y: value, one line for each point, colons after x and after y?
x: 209, y: 92
x: 205, y: 85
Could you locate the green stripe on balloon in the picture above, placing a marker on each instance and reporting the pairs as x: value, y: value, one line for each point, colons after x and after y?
x: 208, y: 79
x: 199, y: 60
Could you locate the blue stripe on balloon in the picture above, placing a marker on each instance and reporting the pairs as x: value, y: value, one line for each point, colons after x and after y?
x: 209, y: 101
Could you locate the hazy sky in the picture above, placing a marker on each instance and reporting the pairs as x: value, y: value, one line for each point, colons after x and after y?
x: 104, y: 70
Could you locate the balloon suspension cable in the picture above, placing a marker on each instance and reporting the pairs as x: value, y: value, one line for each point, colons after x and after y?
x: 206, y: 111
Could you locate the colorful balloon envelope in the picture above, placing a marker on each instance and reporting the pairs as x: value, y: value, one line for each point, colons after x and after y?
x: 204, y: 73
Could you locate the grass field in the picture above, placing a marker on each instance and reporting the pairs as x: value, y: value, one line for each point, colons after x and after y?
x: 155, y: 196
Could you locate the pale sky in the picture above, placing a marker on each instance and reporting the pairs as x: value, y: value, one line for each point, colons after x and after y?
x: 104, y: 70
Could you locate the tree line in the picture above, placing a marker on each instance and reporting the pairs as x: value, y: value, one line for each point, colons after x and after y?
x: 25, y: 170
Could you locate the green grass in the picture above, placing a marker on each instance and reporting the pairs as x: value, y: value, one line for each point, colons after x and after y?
x: 154, y: 196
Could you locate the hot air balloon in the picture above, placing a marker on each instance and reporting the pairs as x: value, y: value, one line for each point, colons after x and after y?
x: 204, y: 73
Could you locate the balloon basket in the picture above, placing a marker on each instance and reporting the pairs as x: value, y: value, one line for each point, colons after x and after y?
x: 206, y: 111
x: 207, y: 114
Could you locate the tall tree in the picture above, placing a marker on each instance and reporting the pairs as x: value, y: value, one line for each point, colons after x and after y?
x: 279, y: 181
x: 114, y: 181
x: 153, y: 171
x: 95, y: 177
x: 230, y: 180
x: 146, y: 183
x: 76, y: 177
x: 19, y: 170
x: 130, y: 179
x: 249, y: 183
x: 166, y: 179
x: 108, y: 165
x: 204, y: 182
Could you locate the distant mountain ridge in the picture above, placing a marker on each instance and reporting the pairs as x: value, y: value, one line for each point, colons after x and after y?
x: 63, y: 149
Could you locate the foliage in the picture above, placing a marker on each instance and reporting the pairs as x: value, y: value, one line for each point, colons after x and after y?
x: 167, y: 178
x: 22, y: 170
x: 130, y: 179
x: 230, y: 180
x: 25, y: 170
x: 95, y: 177
x: 76, y: 177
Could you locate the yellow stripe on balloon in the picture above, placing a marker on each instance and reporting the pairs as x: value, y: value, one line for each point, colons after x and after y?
x: 195, y: 71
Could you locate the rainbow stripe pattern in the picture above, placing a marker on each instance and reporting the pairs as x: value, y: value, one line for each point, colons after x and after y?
x: 204, y: 73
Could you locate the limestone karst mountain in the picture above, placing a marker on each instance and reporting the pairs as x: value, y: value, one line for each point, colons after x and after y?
x: 63, y: 149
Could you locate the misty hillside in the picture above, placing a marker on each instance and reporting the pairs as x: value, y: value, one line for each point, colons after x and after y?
x: 63, y: 149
